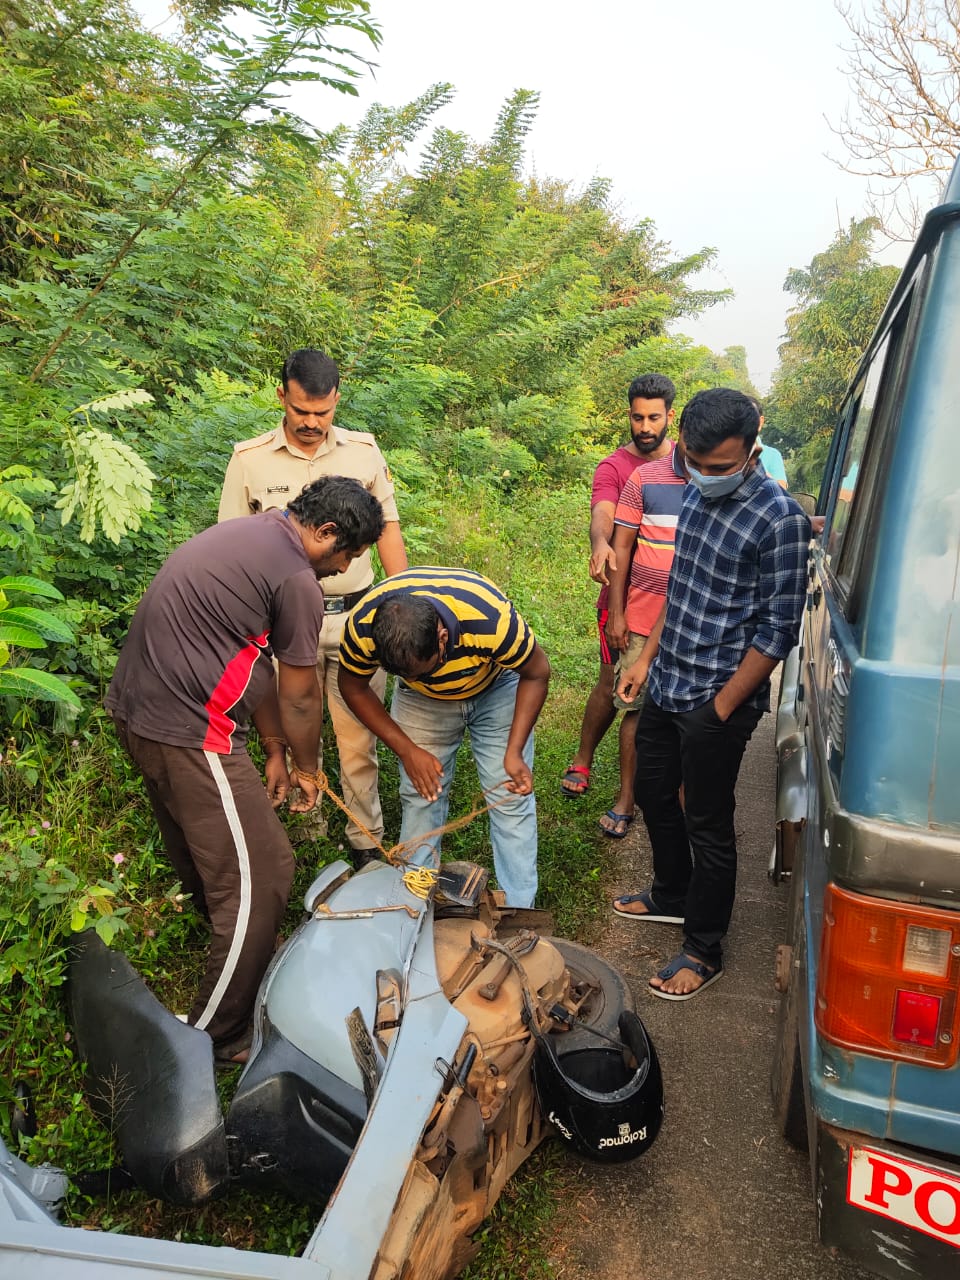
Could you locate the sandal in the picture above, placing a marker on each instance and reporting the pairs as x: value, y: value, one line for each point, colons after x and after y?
x: 652, y: 915
x: 224, y: 1063
x: 616, y: 818
x: 671, y: 970
x: 233, y: 1054
x: 579, y: 775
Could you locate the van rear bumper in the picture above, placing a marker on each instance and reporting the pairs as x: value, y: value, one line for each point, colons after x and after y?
x: 893, y: 1209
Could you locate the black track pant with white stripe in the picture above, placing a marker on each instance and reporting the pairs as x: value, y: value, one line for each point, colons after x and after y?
x: 232, y: 854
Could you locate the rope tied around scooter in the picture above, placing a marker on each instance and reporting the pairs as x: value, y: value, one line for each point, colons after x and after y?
x: 417, y: 879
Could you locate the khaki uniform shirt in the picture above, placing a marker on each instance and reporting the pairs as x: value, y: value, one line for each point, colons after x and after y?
x: 269, y: 472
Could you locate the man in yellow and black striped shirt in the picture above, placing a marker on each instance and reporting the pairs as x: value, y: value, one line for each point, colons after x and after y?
x: 466, y: 660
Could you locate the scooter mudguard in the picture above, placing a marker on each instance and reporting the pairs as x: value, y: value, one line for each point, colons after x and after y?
x: 150, y: 1078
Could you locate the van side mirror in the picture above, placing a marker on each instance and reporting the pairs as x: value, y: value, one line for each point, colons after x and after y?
x: 807, y: 501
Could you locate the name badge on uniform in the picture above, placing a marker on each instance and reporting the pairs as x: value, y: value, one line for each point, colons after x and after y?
x: 278, y: 488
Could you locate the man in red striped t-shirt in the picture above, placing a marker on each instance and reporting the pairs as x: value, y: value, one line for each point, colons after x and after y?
x: 195, y: 669
x: 645, y: 529
x: 650, y: 398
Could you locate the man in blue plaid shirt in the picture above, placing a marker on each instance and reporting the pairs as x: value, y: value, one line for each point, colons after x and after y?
x: 733, y: 609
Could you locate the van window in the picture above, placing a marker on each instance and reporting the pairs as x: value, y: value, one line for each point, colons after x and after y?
x: 852, y: 462
x: 863, y: 472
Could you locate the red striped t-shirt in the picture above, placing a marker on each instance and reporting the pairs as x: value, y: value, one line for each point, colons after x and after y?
x: 650, y: 504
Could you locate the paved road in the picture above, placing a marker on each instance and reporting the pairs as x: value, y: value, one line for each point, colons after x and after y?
x: 721, y: 1195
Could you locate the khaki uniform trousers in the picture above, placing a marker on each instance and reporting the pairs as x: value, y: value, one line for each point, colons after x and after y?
x: 356, y: 745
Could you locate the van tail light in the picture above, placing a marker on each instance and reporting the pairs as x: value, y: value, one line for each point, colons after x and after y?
x: 889, y: 977
x: 916, y: 1018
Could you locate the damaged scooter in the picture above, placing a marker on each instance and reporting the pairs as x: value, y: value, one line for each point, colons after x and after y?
x: 409, y: 1054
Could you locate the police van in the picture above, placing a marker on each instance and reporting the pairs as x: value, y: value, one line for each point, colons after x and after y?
x: 867, y: 1069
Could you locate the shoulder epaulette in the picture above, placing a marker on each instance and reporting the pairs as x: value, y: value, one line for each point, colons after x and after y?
x: 354, y: 437
x: 243, y: 445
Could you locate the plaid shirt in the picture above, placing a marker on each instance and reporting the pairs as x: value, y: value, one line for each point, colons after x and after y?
x: 737, y: 582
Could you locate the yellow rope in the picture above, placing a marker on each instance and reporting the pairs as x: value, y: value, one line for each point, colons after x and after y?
x: 419, y: 880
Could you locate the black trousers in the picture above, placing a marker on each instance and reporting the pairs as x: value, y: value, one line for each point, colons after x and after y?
x: 694, y: 846
x: 231, y: 853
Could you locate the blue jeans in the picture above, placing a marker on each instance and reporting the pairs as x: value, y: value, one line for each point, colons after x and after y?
x: 438, y: 726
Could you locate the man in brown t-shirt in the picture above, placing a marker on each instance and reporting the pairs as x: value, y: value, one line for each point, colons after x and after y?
x: 195, y: 669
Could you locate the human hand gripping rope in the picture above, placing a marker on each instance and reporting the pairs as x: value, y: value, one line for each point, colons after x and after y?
x: 417, y: 880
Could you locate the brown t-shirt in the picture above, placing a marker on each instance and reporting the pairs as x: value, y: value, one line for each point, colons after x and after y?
x: 196, y: 661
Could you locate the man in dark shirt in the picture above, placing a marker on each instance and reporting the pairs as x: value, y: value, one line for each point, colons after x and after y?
x: 733, y: 608
x: 195, y: 669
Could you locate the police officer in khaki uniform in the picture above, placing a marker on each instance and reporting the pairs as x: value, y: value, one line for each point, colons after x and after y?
x: 271, y: 470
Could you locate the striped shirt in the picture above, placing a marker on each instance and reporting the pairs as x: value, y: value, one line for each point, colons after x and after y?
x: 486, y: 634
x: 737, y: 582
x: 650, y: 504
x: 611, y: 475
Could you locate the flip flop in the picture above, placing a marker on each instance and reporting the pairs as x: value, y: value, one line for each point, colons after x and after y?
x: 237, y: 1060
x: 652, y: 915
x: 671, y: 970
x: 579, y: 774
x: 234, y: 1054
x: 616, y: 817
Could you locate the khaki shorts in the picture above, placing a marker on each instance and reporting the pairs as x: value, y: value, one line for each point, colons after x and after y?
x: 627, y: 658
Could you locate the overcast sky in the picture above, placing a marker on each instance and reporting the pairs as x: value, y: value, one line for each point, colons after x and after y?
x: 711, y: 119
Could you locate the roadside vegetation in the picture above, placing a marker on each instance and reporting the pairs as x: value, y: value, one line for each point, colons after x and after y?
x: 839, y: 297
x: 168, y: 232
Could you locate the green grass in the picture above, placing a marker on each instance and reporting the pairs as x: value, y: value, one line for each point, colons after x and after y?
x: 79, y: 845
x: 514, y: 1239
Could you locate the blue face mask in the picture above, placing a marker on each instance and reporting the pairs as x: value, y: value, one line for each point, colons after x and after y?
x: 716, y: 487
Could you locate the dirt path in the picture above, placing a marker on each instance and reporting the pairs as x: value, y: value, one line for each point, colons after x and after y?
x: 720, y: 1195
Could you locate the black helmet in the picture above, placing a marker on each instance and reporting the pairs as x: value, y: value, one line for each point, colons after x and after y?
x: 608, y: 1110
